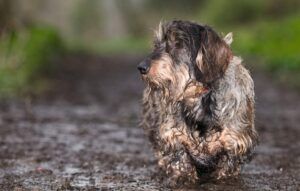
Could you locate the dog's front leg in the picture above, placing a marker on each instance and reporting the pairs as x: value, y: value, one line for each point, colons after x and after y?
x: 204, y: 153
x: 175, y: 161
x: 178, y: 167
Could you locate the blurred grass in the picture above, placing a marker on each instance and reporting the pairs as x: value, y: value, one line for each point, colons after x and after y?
x: 27, y: 57
x: 276, y: 45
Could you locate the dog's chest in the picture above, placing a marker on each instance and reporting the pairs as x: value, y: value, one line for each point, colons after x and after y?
x: 164, y: 120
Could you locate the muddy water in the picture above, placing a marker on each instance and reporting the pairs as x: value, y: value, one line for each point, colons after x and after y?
x: 83, y: 134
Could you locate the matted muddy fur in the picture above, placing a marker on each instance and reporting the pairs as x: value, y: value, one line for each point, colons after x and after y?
x: 198, y: 104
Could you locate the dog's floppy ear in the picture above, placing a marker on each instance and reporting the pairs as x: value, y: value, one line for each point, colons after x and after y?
x: 213, y: 56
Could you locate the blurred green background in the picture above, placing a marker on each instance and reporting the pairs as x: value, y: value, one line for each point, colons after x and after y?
x: 35, y: 34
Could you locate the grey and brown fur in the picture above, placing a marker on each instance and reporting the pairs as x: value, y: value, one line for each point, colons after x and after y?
x: 198, y: 104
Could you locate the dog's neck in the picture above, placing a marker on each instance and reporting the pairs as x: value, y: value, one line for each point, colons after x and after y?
x: 177, y: 110
x: 169, y: 106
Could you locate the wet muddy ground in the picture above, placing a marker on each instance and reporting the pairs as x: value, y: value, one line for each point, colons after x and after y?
x: 84, y: 135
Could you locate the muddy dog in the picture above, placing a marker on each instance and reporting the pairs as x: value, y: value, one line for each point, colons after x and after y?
x: 198, y: 104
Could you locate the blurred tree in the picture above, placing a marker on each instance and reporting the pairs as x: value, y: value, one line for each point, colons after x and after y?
x: 175, y: 6
x: 142, y: 15
x: 114, y: 25
x: 134, y: 17
x: 6, y: 21
x: 85, y: 18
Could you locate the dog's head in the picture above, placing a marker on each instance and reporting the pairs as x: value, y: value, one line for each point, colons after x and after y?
x: 185, y: 51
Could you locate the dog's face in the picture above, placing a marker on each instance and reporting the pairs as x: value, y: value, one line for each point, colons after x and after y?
x: 184, y: 51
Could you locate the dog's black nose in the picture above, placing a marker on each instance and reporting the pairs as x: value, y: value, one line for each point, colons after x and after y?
x: 143, y: 67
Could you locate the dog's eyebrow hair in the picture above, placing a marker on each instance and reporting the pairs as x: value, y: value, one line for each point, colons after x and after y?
x: 204, y: 36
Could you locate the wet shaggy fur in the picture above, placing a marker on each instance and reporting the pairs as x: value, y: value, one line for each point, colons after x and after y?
x: 198, y: 104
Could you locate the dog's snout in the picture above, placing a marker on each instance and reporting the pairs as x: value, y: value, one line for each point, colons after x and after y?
x: 143, y: 67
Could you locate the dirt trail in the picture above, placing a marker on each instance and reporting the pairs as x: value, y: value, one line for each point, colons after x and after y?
x: 84, y: 135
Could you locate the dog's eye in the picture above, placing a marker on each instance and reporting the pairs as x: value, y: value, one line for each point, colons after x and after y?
x: 155, y: 45
x: 173, y: 47
x: 168, y: 48
x: 159, y: 46
x: 178, y: 45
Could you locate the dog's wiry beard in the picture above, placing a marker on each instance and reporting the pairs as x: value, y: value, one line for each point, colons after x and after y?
x: 171, y: 83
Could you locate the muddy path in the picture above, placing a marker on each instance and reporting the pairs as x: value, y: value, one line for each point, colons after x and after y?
x: 83, y: 135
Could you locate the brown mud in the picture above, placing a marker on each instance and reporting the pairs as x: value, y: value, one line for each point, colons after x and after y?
x: 84, y: 135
